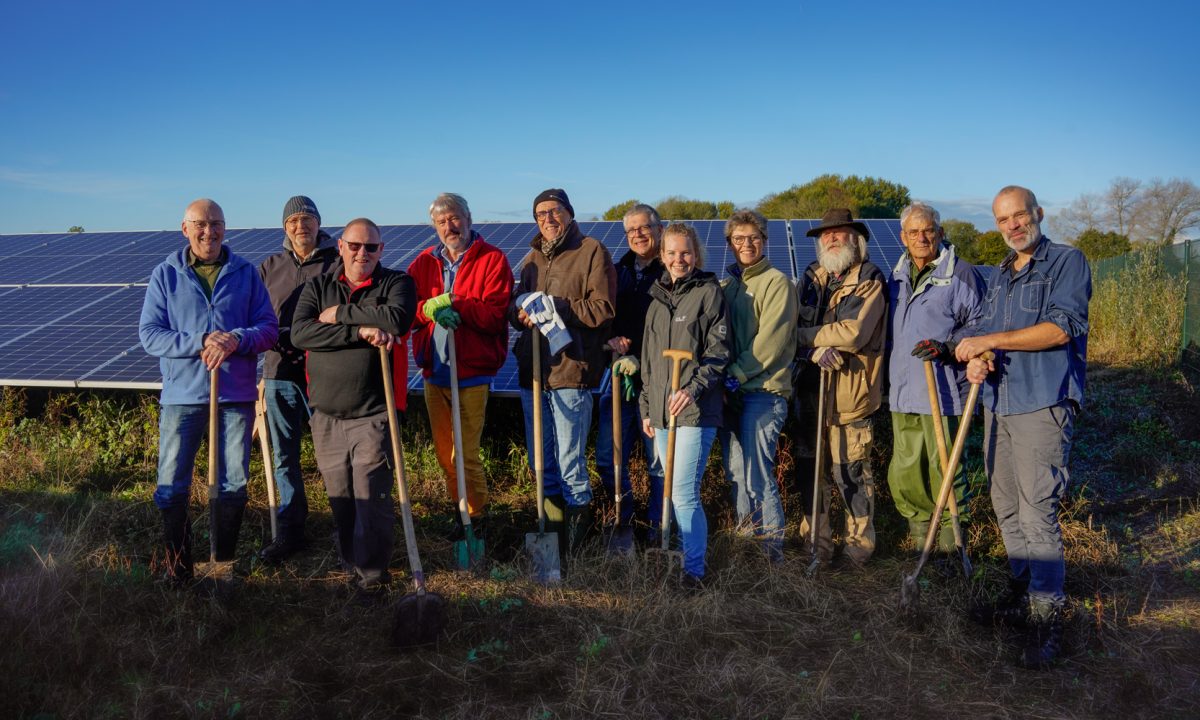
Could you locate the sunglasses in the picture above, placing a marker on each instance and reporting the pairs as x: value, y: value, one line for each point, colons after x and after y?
x: 356, y: 246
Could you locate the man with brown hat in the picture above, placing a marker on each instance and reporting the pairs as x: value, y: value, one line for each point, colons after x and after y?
x: 567, y: 290
x: 308, y: 251
x: 843, y: 329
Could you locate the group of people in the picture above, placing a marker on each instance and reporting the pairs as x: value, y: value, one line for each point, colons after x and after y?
x: 743, y: 352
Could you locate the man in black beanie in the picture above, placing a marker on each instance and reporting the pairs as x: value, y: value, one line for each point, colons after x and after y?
x: 571, y: 278
x: 307, y: 252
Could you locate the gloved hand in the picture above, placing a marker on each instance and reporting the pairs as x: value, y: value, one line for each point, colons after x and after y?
x: 447, y: 317
x: 628, y: 391
x: 828, y: 358
x: 547, y: 313
x: 934, y: 350
x: 435, y: 303
x: 732, y: 384
x: 626, y: 365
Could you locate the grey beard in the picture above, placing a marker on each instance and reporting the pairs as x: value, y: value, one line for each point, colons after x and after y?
x: 837, y: 261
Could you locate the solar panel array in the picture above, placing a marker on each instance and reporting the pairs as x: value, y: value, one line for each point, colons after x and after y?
x: 70, y: 302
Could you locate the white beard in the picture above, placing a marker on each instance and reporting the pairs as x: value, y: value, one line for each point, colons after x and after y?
x: 836, y: 261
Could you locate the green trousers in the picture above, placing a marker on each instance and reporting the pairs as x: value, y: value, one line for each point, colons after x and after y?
x: 915, y: 473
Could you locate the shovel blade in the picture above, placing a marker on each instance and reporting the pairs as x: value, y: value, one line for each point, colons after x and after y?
x: 910, y: 593
x: 665, y: 562
x: 419, y: 619
x: 543, y: 557
x: 215, y: 578
x: 619, y: 540
x: 468, y: 552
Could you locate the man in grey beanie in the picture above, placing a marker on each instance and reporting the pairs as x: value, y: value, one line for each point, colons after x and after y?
x: 307, y: 252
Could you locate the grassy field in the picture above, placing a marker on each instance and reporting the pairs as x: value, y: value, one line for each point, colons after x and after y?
x: 89, y: 630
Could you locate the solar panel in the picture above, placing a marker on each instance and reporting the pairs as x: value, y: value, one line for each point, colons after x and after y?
x: 71, y: 301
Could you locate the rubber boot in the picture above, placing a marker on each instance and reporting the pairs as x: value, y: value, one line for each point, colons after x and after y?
x: 579, y: 527
x: 556, y: 513
x: 1044, y: 643
x: 229, y: 522
x: 177, y: 544
x: 1009, y: 610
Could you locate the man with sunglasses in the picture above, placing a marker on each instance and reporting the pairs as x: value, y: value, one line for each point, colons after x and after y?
x: 205, y: 309
x: 570, y: 278
x: 342, y: 319
x: 308, y: 251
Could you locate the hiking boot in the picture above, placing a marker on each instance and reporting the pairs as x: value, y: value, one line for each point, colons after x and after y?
x: 1010, y: 610
x: 945, y: 538
x: 1044, y: 644
x: 280, y: 549
x: 177, y: 544
x: 692, y: 584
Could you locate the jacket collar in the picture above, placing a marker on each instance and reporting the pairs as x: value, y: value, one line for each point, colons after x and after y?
x: 943, y: 264
x: 572, y: 239
x: 746, y: 273
x: 1039, y: 253
x: 629, y: 260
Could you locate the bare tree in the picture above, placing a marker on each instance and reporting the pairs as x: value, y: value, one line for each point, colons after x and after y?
x: 1122, y: 199
x: 1166, y: 209
x: 1086, y: 212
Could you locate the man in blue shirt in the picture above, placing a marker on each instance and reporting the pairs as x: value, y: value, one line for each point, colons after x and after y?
x: 1035, y: 321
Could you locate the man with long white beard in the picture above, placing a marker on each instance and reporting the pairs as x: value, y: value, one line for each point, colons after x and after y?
x: 843, y: 329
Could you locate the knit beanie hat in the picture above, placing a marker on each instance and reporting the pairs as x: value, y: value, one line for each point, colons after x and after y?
x: 301, y: 204
x: 557, y: 194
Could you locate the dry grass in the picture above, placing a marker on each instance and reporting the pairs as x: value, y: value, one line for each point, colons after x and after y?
x: 89, y: 632
x: 1136, y: 315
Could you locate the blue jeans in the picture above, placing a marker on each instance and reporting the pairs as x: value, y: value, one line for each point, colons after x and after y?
x: 749, y: 458
x: 287, y: 414
x: 631, y: 432
x: 692, y: 445
x: 566, y: 416
x: 180, y: 429
x: 1026, y: 459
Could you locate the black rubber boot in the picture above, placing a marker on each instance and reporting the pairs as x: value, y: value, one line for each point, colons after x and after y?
x: 579, y: 527
x: 229, y: 522
x: 1045, y: 640
x: 1010, y: 610
x: 282, y: 548
x: 177, y: 543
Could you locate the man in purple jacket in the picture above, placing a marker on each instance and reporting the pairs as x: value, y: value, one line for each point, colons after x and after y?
x: 934, y: 297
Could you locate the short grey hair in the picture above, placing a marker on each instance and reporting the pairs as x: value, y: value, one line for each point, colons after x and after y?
x: 920, y: 208
x: 1031, y: 201
x: 643, y: 209
x: 745, y: 216
x: 450, y: 202
x: 685, y: 230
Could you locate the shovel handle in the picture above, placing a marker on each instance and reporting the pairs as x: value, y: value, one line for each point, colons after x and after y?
x: 539, y: 461
x: 819, y: 460
x: 939, y: 434
x: 410, y: 534
x: 456, y: 418
x: 617, y: 440
x: 214, y: 430
x: 264, y: 442
x: 676, y: 357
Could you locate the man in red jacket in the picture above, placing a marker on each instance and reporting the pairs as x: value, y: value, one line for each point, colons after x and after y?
x: 463, y: 285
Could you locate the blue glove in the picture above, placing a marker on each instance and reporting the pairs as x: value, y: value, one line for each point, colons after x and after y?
x: 447, y: 317
x: 732, y: 384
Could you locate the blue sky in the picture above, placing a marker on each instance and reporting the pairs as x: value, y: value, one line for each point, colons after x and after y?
x: 113, y: 115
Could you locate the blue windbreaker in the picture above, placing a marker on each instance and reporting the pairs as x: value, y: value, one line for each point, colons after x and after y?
x: 176, y: 314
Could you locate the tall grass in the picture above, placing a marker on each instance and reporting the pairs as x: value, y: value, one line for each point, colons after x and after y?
x: 1136, y: 315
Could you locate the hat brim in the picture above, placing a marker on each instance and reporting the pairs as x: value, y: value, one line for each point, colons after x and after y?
x: 862, y: 229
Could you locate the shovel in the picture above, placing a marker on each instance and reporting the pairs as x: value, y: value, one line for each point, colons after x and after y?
x: 260, y: 429
x: 667, y: 557
x: 468, y: 552
x: 420, y: 615
x: 939, y: 436
x: 818, y: 471
x: 214, y: 577
x: 620, y: 538
x: 910, y: 591
x: 541, y: 545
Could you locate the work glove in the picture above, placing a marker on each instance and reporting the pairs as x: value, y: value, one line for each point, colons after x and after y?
x: 628, y: 391
x: 435, y: 303
x: 447, y: 317
x: 828, y: 358
x: 547, y: 314
x: 732, y: 384
x: 626, y: 365
x: 934, y: 350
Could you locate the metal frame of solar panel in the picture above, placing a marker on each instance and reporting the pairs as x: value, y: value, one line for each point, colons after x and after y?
x: 70, y: 302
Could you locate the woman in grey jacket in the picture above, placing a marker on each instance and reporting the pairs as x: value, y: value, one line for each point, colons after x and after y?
x: 687, y: 313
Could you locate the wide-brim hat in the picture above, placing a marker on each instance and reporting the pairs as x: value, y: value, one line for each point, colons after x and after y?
x: 839, y: 217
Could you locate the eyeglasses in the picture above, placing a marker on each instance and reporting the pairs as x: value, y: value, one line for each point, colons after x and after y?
x: 642, y: 230
x: 355, y: 246
x: 740, y: 240
x: 206, y: 224
x: 545, y: 214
